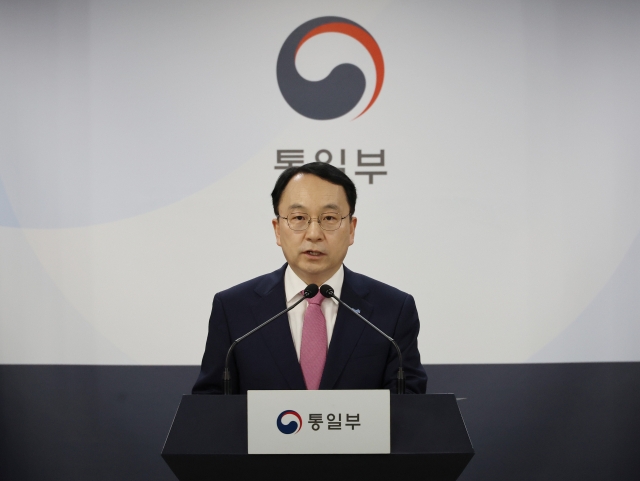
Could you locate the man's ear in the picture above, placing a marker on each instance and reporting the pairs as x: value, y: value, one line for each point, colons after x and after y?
x: 352, y: 226
x: 276, y: 230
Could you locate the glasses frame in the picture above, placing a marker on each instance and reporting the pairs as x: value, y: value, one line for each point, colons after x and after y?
x: 312, y: 219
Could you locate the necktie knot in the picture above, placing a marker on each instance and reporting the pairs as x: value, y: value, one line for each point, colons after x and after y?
x: 317, y: 299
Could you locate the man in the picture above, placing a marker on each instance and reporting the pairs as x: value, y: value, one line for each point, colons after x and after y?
x: 323, y: 345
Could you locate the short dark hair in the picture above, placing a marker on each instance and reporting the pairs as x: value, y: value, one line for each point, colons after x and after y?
x: 320, y: 169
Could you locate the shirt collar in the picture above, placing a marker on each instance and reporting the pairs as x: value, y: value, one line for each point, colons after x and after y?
x: 293, y: 285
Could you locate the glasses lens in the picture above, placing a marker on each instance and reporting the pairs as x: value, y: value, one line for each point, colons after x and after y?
x: 298, y: 221
x: 330, y: 221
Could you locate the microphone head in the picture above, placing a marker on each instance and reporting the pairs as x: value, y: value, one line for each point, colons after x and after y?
x: 326, y: 290
x: 310, y: 291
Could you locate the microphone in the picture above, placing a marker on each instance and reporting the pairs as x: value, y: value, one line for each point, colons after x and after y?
x: 310, y: 291
x: 327, y: 291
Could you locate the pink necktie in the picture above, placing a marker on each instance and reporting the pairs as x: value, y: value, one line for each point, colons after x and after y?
x: 313, y: 348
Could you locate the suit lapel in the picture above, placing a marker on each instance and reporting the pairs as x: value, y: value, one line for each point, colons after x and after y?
x: 277, y: 335
x: 347, y: 330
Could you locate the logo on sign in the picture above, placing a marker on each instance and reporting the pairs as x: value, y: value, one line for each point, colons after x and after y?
x: 291, y: 428
x: 343, y: 88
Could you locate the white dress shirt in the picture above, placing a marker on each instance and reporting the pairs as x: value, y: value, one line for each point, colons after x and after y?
x: 293, y: 287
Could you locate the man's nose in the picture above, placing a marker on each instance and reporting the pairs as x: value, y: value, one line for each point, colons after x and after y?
x: 314, y: 231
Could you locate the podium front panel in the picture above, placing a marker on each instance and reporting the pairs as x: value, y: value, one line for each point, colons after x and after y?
x: 208, y: 440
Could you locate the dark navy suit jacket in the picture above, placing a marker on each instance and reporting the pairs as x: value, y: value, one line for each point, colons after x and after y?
x: 358, y: 356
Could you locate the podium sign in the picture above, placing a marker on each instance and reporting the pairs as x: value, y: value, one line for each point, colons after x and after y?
x: 318, y: 422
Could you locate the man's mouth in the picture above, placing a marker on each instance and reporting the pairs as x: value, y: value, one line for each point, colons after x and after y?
x: 314, y: 253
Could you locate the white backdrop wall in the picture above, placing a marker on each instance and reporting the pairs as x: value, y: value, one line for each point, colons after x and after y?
x: 137, y: 151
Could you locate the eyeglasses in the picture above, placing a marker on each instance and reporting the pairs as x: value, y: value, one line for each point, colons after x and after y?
x: 300, y: 221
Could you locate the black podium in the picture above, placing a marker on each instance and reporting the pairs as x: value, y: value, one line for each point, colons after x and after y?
x: 208, y: 441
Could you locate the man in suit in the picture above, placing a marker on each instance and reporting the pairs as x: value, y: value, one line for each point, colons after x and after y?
x: 323, y: 345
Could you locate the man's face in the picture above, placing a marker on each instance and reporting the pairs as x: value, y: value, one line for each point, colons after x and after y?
x: 314, y: 254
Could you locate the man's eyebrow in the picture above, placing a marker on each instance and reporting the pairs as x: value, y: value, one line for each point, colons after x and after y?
x: 331, y: 206
x: 326, y: 206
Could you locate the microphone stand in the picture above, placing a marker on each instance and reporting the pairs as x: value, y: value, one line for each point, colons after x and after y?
x: 400, y: 376
x: 226, y: 376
